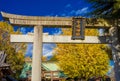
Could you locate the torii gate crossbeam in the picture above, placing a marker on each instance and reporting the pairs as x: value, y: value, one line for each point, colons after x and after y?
x: 38, y: 38
x: 60, y: 39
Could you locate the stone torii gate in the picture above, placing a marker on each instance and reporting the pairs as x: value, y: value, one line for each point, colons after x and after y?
x: 38, y: 38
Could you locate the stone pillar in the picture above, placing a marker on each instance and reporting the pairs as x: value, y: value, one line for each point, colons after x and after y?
x: 115, y: 51
x: 37, y: 53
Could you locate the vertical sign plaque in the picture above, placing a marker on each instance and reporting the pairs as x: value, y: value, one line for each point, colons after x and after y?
x: 78, y: 28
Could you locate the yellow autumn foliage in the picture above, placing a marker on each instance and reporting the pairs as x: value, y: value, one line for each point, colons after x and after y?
x: 15, y: 51
x: 82, y: 60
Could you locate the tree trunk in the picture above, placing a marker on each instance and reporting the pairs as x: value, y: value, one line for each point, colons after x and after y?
x: 115, y: 51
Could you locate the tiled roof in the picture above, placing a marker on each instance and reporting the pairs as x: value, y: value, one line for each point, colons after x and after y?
x: 50, y: 66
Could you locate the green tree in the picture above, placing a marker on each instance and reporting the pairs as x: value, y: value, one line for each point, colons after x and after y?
x: 110, y: 9
x: 105, y: 8
x: 15, y: 51
x: 82, y: 60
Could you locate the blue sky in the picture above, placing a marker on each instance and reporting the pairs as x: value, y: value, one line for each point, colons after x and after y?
x: 45, y: 7
x: 63, y: 8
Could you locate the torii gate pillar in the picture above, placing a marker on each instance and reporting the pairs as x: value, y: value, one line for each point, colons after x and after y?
x: 37, y: 53
x: 37, y: 40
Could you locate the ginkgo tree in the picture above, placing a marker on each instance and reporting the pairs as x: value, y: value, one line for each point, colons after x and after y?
x: 15, y: 52
x: 82, y: 60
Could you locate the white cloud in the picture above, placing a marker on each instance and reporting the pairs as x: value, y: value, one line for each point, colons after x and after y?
x: 50, y: 53
x: 73, y: 12
x: 81, y: 11
x: 84, y: 9
x: 23, y: 30
x: 101, y: 32
x: 47, y: 49
x: 68, y: 6
x: 57, y: 32
x: 63, y: 14
x: 78, y: 12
